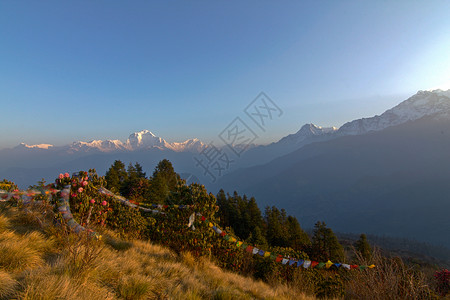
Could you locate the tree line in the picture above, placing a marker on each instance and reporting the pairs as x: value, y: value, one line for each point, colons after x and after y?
x: 237, y: 214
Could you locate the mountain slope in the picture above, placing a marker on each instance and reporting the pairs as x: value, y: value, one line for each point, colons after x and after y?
x: 26, y: 164
x: 424, y: 103
x: 392, y: 182
x: 47, y: 263
x: 307, y: 134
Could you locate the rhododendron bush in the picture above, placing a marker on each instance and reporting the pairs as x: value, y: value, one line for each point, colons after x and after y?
x: 89, y: 207
x: 171, y: 228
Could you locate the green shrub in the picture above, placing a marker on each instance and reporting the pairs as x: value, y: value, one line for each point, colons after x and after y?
x: 330, y: 286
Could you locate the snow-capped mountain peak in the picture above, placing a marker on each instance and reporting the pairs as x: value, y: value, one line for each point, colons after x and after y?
x: 425, y: 103
x: 312, y: 129
x: 305, y: 132
x: 140, y: 140
x: 193, y: 145
x: 38, y: 146
x: 144, y: 139
x: 100, y: 145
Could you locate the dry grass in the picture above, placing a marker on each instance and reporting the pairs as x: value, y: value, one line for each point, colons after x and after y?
x: 4, y: 223
x: 40, y: 261
x: 390, y: 279
x: 20, y: 252
x: 7, y: 285
x: 61, y: 265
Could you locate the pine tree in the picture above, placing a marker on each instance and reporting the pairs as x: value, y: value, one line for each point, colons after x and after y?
x: 256, y: 218
x: 276, y: 232
x: 237, y: 218
x: 116, y: 177
x: 257, y: 238
x: 136, y: 185
x: 165, y: 170
x: 363, y: 247
x: 223, y: 213
x: 298, y: 239
x: 139, y: 171
x: 163, y: 181
x: 325, y: 244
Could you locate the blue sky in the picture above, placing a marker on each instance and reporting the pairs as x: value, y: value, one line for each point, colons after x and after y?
x: 83, y: 70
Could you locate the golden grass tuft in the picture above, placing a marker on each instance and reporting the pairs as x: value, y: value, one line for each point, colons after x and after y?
x: 135, y: 287
x: 7, y: 285
x: 17, y: 254
x: 42, y: 284
x: 63, y: 265
x: 4, y: 223
x: 390, y: 279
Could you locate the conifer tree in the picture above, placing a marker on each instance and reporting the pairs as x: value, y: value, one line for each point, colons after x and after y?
x: 222, y: 202
x: 298, y: 238
x: 163, y: 181
x: 276, y: 233
x: 325, y: 244
x: 139, y: 171
x: 116, y: 177
x: 363, y: 247
x: 257, y: 238
x: 256, y: 219
x: 165, y: 170
x: 136, y: 185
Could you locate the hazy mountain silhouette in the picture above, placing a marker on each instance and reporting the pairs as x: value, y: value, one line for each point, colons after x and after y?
x: 394, y: 181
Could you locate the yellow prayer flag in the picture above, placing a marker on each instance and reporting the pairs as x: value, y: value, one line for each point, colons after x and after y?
x: 266, y: 254
x: 211, y: 224
x: 232, y: 239
x: 328, y: 264
x: 239, y: 243
x: 371, y: 266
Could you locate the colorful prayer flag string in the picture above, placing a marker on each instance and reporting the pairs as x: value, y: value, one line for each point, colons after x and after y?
x: 277, y: 257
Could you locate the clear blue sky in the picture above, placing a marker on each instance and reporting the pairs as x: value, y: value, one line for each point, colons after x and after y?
x: 83, y: 70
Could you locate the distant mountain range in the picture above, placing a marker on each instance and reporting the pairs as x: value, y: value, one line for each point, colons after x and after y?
x: 424, y: 103
x: 387, y: 174
x: 136, y: 141
x: 26, y: 164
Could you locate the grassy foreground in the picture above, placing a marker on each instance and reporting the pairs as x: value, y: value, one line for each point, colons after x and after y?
x: 41, y: 261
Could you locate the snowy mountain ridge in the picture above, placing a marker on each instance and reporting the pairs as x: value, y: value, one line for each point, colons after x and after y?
x: 434, y: 103
x: 306, y: 131
x: 136, y: 141
x: 38, y: 146
x: 425, y: 103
